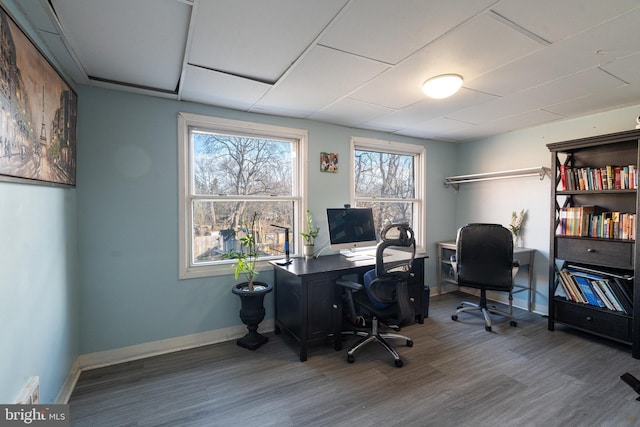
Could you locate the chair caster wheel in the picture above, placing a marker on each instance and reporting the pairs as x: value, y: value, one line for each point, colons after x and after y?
x: 409, y: 343
x: 454, y: 317
x: 398, y: 363
x: 459, y: 307
x: 513, y: 323
x: 350, y: 358
x: 487, y: 328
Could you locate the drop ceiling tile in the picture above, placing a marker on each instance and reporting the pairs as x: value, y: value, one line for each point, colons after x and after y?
x: 39, y: 16
x: 441, y: 125
x: 601, y: 45
x: 548, y: 18
x: 322, y: 77
x: 432, y: 108
x: 349, y: 112
x: 482, y: 113
x: 498, y: 46
x: 140, y: 42
x: 625, y: 68
x: 381, y: 30
x: 69, y: 66
x: 210, y: 87
x: 134, y: 89
x: 574, y: 86
x: 527, y: 119
x: 374, y: 126
x: 457, y: 52
x: 471, y: 133
x: 255, y: 38
x: 560, y: 90
x: 485, y: 130
x: 551, y: 63
x: 604, y: 100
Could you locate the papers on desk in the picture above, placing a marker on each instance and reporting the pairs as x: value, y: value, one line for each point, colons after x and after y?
x: 360, y: 257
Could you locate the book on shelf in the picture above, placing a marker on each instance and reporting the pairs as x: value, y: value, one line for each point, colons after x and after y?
x: 569, y: 287
x: 597, y: 288
x: 609, y: 177
x: 592, y: 221
x: 609, y: 299
x: 588, y: 292
x: 624, y: 293
x: 575, y: 220
x: 597, y: 285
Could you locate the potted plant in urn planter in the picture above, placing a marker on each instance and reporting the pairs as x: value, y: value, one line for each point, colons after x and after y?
x: 309, y: 237
x: 251, y: 293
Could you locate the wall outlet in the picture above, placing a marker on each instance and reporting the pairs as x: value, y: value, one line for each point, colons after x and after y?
x: 30, y: 394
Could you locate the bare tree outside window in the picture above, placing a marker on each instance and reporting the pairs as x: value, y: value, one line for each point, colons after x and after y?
x: 229, y: 170
x: 385, y: 180
x: 233, y: 177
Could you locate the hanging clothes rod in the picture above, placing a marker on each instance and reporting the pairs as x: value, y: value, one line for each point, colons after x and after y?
x: 455, y: 181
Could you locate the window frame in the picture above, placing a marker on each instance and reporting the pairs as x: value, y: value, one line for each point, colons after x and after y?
x: 419, y: 154
x: 187, y: 269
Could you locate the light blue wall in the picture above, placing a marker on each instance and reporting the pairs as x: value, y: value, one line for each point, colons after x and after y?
x: 38, y: 285
x: 493, y: 201
x: 38, y: 288
x: 128, y: 217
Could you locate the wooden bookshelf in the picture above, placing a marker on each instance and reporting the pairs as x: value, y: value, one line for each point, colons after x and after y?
x: 607, y: 254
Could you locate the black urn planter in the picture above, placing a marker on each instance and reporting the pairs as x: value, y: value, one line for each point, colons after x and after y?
x: 252, y: 312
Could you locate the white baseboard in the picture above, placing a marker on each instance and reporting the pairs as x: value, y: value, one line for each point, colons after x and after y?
x: 153, y: 348
x: 69, y: 384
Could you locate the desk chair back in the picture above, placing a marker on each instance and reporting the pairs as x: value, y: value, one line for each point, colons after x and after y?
x: 485, y: 257
x: 386, y: 285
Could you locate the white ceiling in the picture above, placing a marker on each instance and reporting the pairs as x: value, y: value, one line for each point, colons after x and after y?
x: 359, y: 63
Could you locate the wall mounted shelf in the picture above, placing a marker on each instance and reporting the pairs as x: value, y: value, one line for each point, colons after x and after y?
x: 455, y: 181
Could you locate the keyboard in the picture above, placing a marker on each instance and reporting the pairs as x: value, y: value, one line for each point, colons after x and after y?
x: 389, y: 254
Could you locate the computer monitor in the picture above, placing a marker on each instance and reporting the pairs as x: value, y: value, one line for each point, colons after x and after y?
x: 351, y: 228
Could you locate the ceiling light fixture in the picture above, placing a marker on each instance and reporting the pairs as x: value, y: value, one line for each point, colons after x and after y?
x: 442, y: 86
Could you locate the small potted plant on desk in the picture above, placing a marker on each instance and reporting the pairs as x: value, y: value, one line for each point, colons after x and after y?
x: 251, y: 293
x: 309, y: 237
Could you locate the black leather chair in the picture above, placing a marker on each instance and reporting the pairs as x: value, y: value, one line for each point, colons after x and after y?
x: 484, y: 260
x: 383, y: 297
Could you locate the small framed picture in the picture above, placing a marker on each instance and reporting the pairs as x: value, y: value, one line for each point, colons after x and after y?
x: 329, y: 162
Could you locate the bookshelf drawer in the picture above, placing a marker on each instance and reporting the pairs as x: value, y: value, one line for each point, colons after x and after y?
x: 615, y: 326
x: 598, y: 252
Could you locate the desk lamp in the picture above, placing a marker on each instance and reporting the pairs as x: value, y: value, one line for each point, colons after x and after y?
x: 287, y: 260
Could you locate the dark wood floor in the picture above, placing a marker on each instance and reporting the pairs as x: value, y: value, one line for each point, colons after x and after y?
x: 456, y: 374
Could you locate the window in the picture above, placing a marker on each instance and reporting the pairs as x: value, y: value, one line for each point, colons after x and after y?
x: 228, y: 170
x: 390, y: 178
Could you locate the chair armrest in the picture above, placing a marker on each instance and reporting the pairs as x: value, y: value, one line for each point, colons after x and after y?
x: 454, y: 263
x: 350, y: 284
x: 515, y: 267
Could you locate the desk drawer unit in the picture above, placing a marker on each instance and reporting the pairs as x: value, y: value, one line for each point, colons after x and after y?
x: 415, y: 286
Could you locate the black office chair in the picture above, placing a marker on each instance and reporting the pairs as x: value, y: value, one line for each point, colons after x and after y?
x: 383, y: 297
x: 484, y: 260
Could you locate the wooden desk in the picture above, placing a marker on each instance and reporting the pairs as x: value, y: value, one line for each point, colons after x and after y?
x: 445, y: 273
x: 309, y: 307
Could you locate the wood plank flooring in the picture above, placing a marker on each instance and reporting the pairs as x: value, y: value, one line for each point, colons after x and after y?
x: 456, y: 374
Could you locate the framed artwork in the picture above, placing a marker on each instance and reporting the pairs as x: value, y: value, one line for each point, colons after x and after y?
x: 38, y: 113
x: 329, y: 162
